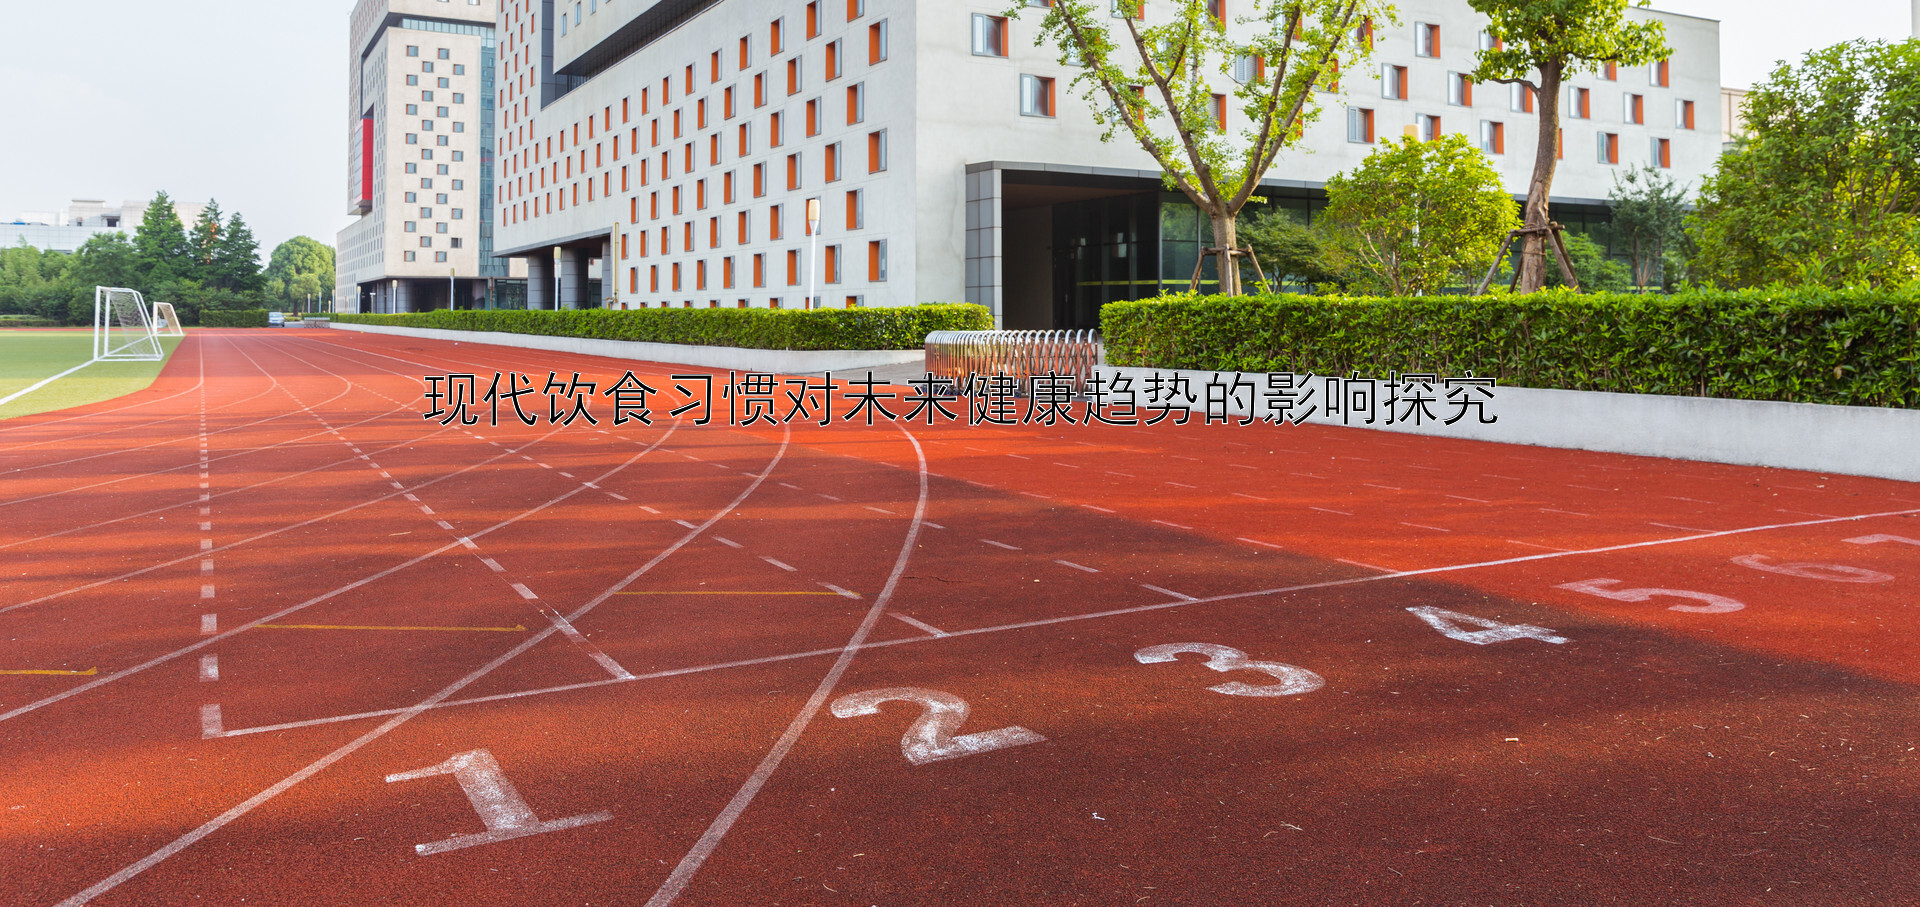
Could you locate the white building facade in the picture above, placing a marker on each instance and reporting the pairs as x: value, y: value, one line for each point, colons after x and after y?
x: 420, y: 163
x: 83, y: 219
x: 682, y: 143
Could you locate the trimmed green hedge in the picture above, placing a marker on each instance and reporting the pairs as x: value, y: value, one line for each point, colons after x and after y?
x: 233, y: 318
x: 879, y: 328
x: 1810, y: 345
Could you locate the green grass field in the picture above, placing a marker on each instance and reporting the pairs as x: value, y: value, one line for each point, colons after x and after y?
x: 27, y: 356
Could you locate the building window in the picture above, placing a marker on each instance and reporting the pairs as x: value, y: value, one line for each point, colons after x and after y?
x: 440, y: 140
x: 1608, y: 147
x: 877, y: 42
x: 833, y: 162
x: 1036, y: 96
x: 455, y: 242
x: 1219, y: 113
x: 793, y: 76
x: 1426, y: 39
x: 1429, y: 127
x: 989, y: 35
x: 413, y: 50
x: 1683, y: 114
x: 813, y: 117
x: 876, y: 151
x: 459, y: 214
x: 412, y: 139
x: 774, y: 222
x: 459, y: 69
x: 833, y: 60
x: 1610, y: 71
x: 830, y: 272
x: 444, y: 54
x: 459, y: 127
x: 1489, y: 42
x: 440, y: 198
x: 459, y: 98
x: 407, y: 256
x: 440, y: 257
x: 793, y: 171
x: 458, y: 156
x: 426, y: 214
x: 413, y: 110
x: 1493, y: 137
x: 856, y: 9
x: 1360, y: 125
x: 413, y: 80
x: 1579, y: 103
x: 1459, y: 89
x: 1662, y: 153
x: 877, y: 261
x: 1393, y: 81
x: 1658, y: 73
x: 411, y: 227
x: 856, y: 209
x: 440, y: 227
x: 412, y: 167
x: 1634, y: 108
x: 426, y: 67
x: 459, y: 185
x: 856, y: 103
x: 426, y: 242
x: 412, y: 197
x: 1519, y: 98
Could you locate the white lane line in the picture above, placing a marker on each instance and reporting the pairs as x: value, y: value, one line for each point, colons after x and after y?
x: 1326, y: 510
x: 1260, y: 543
x: 206, y: 566
x: 41, y: 383
x: 209, y: 668
x: 209, y: 624
x: 730, y: 543
x: 1179, y: 457
x: 1306, y: 475
x: 545, y: 466
x: 444, y: 525
x: 1424, y: 526
x: 1182, y: 485
x: 647, y: 509
x: 1368, y: 566
x: 880, y: 510
x: 931, y: 525
x: 1383, y: 487
x: 1067, y: 465
x: 1174, y: 525
x: 786, y: 485
x: 1567, y: 512
x: 1097, y: 508
x: 1507, y: 478
x: 206, y: 590
x: 1001, y: 545
x: 1804, y: 512
x: 468, y: 543
x: 1032, y: 494
x: 492, y: 564
x: 1167, y: 592
x: 211, y: 725
x: 1019, y: 457
x: 1124, y: 475
x: 781, y: 564
x: 1249, y: 497
x: 409, y: 496
x: 845, y: 593
x: 617, y: 497
x: 206, y: 544
x: 936, y: 631
x: 206, y: 526
x: 1076, y: 566
x: 1242, y: 466
x: 1462, y: 497
x: 1591, y: 488
x: 1675, y: 497
x: 686, y: 525
x: 567, y: 474
x: 426, y: 510
x: 525, y: 592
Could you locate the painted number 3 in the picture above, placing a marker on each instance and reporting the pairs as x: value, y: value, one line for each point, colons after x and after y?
x: 1292, y: 681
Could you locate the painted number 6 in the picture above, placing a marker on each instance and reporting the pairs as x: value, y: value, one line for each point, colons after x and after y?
x: 1712, y: 604
x: 1833, y: 573
x: 1293, y: 681
x: 930, y: 738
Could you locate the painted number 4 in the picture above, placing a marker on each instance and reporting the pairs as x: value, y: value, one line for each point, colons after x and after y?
x: 1453, y: 625
x: 930, y: 738
x: 506, y: 815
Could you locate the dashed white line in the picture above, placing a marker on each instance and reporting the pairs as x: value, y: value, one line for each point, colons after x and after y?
x: 1067, y: 465
x: 1019, y: 457
x: 206, y: 590
x: 1327, y: 510
x: 1124, y: 475
x: 567, y: 474
x: 1174, y: 525
x: 1506, y: 478
x: 1076, y: 566
x: 1247, y: 496
x: 211, y: 725
x: 1535, y: 545
x: 525, y: 592
x: 444, y: 525
x: 1242, y: 466
x: 847, y: 593
x: 209, y: 624
x: 1097, y: 508
x: 209, y: 668
x: 492, y: 564
x: 827, y: 496
x: 880, y: 510
x: 1000, y: 545
x: 1567, y: 512
x: 778, y: 563
x: 1260, y: 543
x: 687, y: 525
x: 1368, y: 566
x: 1424, y: 526
x: 1683, y: 528
x: 206, y: 544
x: 206, y: 566
x: 936, y: 631
x: 931, y: 525
x: 619, y: 497
x: 1462, y: 497
x: 785, y: 485
x: 1383, y: 487
x: 1170, y: 592
x: 730, y: 543
x: 1182, y: 485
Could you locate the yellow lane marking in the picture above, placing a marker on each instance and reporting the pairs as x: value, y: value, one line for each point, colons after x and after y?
x: 705, y: 592
x: 86, y: 673
x: 513, y: 629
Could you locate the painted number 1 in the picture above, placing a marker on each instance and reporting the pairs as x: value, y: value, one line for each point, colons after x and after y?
x: 506, y: 815
x: 930, y: 738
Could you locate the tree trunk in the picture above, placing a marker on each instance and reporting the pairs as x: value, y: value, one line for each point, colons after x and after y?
x: 1533, y: 246
x: 1226, y: 237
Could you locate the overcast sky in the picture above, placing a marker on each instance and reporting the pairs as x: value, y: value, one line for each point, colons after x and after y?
x: 245, y: 102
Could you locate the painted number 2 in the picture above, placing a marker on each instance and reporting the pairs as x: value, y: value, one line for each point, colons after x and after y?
x: 1293, y: 681
x: 506, y: 815
x: 930, y: 738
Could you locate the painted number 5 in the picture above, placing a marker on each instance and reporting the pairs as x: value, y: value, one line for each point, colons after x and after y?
x: 1293, y: 681
x: 930, y: 738
x: 1710, y: 603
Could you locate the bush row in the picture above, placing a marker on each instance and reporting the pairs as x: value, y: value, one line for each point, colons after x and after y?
x: 1807, y: 345
x: 880, y: 328
x: 233, y: 318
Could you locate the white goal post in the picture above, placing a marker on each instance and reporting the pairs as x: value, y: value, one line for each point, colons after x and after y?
x: 123, y: 327
x: 165, y: 322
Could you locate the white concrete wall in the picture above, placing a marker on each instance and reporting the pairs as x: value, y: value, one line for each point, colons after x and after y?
x: 1854, y: 440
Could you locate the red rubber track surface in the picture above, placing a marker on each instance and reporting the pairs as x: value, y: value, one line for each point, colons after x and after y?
x: 277, y: 585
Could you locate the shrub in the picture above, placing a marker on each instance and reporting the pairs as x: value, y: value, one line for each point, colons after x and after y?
x: 879, y: 328
x: 233, y: 318
x: 1807, y: 345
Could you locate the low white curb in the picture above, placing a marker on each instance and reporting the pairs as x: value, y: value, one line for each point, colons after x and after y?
x: 1852, y: 440
x: 787, y: 362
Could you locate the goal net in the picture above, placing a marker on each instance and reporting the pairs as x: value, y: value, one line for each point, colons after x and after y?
x: 122, y: 326
x: 165, y: 322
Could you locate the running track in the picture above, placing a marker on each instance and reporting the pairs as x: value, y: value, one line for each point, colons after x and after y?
x: 327, y: 652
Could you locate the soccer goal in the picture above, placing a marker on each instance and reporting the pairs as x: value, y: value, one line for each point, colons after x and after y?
x: 165, y: 322
x: 123, y: 326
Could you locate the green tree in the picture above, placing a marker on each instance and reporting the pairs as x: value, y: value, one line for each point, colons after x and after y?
x: 161, y: 243
x: 1157, y: 83
x: 236, y: 262
x: 1291, y: 252
x: 105, y: 260
x: 297, y: 258
x: 1596, y: 271
x: 1826, y: 188
x: 203, y: 242
x: 1415, y: 216
x: 1649, y: 216
x: 1540, y: 44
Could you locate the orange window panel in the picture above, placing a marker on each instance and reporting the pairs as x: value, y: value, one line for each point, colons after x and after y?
x: 759, y: 269
x: 793, y: 267
x: 773, y: 222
